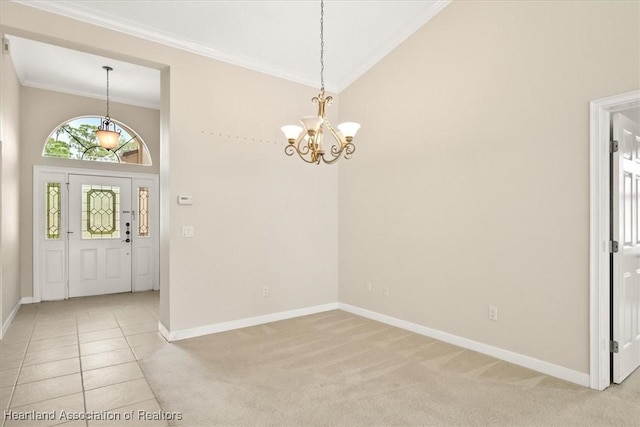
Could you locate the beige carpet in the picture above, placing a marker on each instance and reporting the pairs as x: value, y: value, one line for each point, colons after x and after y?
x: 338, y: 369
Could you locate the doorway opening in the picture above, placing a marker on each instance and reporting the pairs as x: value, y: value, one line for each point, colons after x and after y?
x: 614, y: 240
x: 95, y: 232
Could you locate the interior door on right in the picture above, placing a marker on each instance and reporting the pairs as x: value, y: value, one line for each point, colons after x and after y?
x: 626, y: 263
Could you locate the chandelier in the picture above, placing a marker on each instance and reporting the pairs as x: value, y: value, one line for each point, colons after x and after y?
x: 108, y: 138
x: 307, y: 141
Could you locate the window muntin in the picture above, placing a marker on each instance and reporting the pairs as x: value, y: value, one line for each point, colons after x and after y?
x: 76, y: 139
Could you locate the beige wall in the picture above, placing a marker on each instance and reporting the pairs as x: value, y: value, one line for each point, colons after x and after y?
x: 9, y: 189
x: 51, y: 110
x: 260, y: 217
x: 470, y: 186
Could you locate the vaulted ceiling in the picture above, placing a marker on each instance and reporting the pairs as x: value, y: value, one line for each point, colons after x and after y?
x: 281, y: 38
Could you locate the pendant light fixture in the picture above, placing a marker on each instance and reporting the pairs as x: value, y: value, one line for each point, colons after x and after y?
x: 307, y: 141
x: 108, y: 138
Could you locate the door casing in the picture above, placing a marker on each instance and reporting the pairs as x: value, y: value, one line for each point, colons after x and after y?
x: 42, y: 174
x: 599, y: 225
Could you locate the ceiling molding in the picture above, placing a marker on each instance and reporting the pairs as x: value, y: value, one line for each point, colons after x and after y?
x: 112, y: 99
x: 76, y: 11
x: 110, y: 22
x: 407, y: 30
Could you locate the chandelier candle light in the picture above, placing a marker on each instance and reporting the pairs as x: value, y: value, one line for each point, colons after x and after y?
x: 307, y: 141
x: 108, y: 138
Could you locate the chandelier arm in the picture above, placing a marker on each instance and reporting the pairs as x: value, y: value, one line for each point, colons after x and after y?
x: 336, y: 150
x: 347, y: 149
x: 338, y: 137
x: 300, y: 147
x: 290, y: 150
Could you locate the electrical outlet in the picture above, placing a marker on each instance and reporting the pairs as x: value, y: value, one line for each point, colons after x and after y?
x: 385, y: 291
x: 493, y: 313
x: 265, y: 291
x: 369, y: 287
x: 187, y: 231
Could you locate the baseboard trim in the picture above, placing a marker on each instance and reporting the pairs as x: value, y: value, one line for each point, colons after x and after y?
x: 163, y: 331
x: 547, y: 368
x: 242, y: 323
x: 26, y: 300
x: 5, y: 325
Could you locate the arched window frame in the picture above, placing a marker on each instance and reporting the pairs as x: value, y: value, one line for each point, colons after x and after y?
x: 89, y: 150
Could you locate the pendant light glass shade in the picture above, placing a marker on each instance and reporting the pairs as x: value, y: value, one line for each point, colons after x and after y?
x: 291, y: 132
x: 108, y: 139
x: 349, y: 129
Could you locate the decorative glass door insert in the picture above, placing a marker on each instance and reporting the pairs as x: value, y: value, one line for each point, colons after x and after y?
x: 100, y: 212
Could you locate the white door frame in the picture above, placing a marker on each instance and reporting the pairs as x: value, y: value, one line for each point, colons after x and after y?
x: 599, y: 268
x: 38, y: 226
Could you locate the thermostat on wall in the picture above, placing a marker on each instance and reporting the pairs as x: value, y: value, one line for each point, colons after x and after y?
x: 185, y: 200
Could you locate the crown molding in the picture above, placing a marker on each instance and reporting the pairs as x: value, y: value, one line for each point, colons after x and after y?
x: 411, y: 27
x: 111, y: 22
x: 75, y: 92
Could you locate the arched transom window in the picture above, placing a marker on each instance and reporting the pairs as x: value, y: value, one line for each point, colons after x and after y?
x: 76, y: 139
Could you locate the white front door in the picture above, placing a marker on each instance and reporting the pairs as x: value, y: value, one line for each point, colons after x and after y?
x: 626, y: 263
x: 100, y: 227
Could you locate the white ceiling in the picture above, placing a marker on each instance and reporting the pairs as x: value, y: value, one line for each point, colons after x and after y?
x: 280, y: 38
x: 45, y: 66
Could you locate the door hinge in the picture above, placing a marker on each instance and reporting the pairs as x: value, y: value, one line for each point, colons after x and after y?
x: 613, y: 346
x: 613, y: 247
x: 613, y: 146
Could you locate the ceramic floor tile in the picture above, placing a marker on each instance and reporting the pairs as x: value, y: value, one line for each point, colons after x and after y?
x: 118, y: 395
x: 111, y: 375
x: 140, y: 328
x: 43, y: 371
x: 49, y: 343
x: 10, y: 362
x: 146, y: 350
x: 46, y: 389
x: 103, y: 346
x: 91, y: 316
x: 51, y: 355
x: 146, y: 338
x: 104, y: 334
x: 16, y: 335
x: 97, y: 326
x: 73, y: 403
x: 55, y: 324
x: 100, y: 360
x: 55, y: 332
x: 143, y: 415
x: 5, y: 397
x: 9, y: 349
x: 78, y: 423
x: 134, y: 320
x: 8, y: 377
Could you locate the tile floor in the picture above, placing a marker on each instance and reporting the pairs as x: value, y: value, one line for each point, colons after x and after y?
x: 80, y: 356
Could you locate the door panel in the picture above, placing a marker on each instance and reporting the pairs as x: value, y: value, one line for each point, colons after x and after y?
x: 626, y: 264
x: 99, y: 243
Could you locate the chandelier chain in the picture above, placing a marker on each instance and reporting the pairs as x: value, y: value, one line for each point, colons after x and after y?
x: 108, y: 92
x: 322, y: 46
